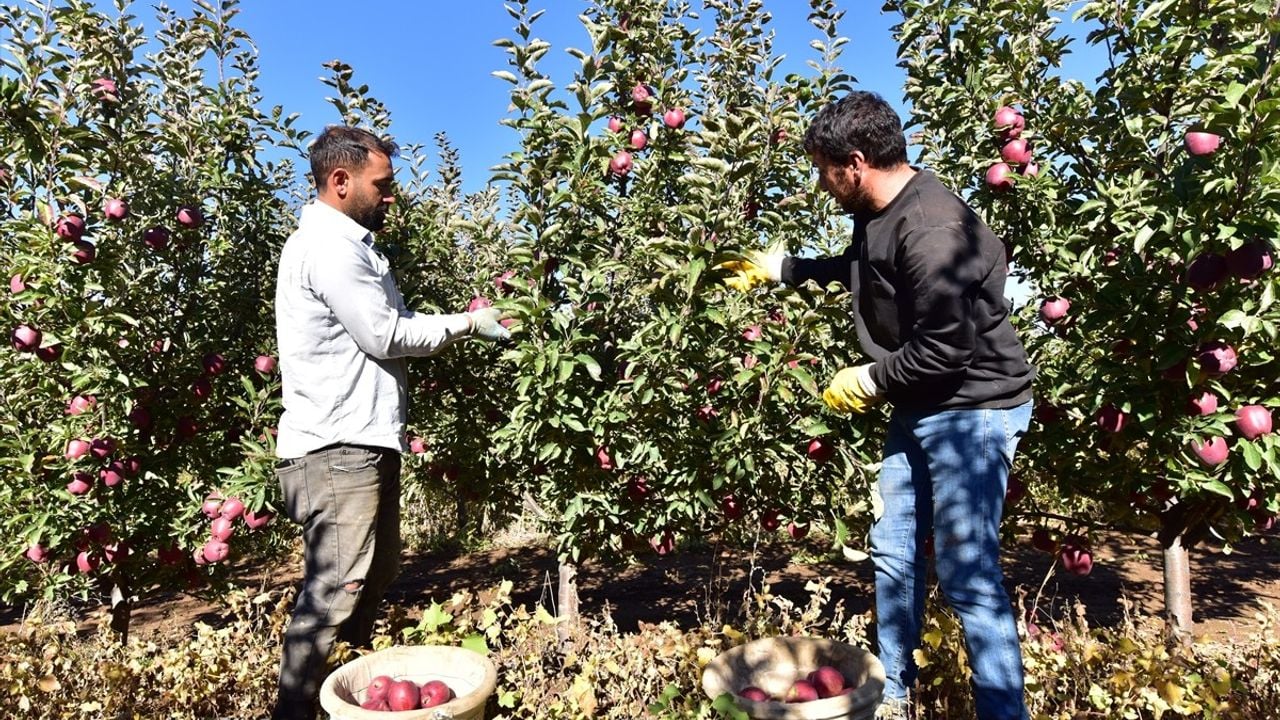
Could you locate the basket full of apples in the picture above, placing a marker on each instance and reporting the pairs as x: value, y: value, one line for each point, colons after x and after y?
x: 421, y: 682
x: 798, y: 678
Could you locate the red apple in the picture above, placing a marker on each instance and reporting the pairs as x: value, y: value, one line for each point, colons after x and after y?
x: 212, y: 506
x: 638, y: 489
x: 663, y: 544
x: 1111, y: 418
x: 1007, y: 118
x: 1202, y: 143
x: 140, y: 417
x: 80, y: 404
x: 714, y: 385
x: 213, y: 364
x: 26, y: 338
x: 749, y: 361
x: 49, y: 353
x: 1250, y: 260
x: 37, y: 553
x: 104, y: 89
x: 827, y: 680
x: 753, y: 333
x: 16, y: 285
x: 256, y: 520
x: 103, y: 447
x: 638, y: 139
x: 1054, y: 308
x: 615, y: 123
x: 797, y: 531
x: 1206, y: 271
x: 116, y: 552
x: 778, y: 136
x: 435, y: 692
x: 417, y: 445
x: 221, y: 529
x: 198, y: 556
x: 403, y: 695
x: 769, y: 519
x: 1253, y: 421
x: 187, y: 427
x: 264, y: 364
x: 731, y: 507
x: 998, y: 177
x: 1042, y: 539
x: 478, y: 303
x: 706, y: 413
x: 673, y: 118
x: 115, y: 209
x: 378, y: 687
x: 603, y: 459
x: 375, y: 705
x: 156, y: 237
x: 215, y: 551
x: 132, y: 466
x: 754, y: 694
x: 801, y: 691
x: 1205, y: 403
x: 189, y: 216
x: 69, y: 227
x: 621, y: 163
x: 1217, y: 358
x: 87, y: 562
x: 84, y: 253
x: 232, y: 508
x: 1212, y: 452
x: 77, y: 448
x: 1016, y: 152
x: 112, y: 475
x: 821, y: 450
x: 1076, y: 557
x: 201, y: 389
x: 80, y: 484
x: 1030, y: 169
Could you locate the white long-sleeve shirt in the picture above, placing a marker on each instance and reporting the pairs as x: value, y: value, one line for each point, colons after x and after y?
x: 343, y: 331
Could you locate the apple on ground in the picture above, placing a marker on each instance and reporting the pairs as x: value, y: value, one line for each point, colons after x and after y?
x: 1253, y: 421
x: 801, y: 691
x: 827, y: 680
x: 435, y: 692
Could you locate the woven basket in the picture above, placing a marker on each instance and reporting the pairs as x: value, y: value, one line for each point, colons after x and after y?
x: 773, y: 664
x: 470, y: 675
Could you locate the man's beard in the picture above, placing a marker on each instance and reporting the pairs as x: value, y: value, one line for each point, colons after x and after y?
x: 372, y: 218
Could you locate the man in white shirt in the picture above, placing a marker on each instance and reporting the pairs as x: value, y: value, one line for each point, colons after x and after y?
x: 344, y: 331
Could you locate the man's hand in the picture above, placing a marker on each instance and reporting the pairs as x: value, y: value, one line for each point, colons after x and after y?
x: 486, y: 324
x: 852, y: 390
x: 758, y: 269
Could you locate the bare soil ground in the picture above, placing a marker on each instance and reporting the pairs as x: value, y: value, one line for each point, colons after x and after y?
x: 690, y: 585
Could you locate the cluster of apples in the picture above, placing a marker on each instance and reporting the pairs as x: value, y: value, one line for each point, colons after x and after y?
x: 222, y: 515
x: 386, y: 694
x: 1015, y: 150
x: 637, y: 138
x: 824, y: 682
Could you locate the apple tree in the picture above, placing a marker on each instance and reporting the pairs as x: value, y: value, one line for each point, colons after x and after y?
x: 1144, y: 207
x: 139, y: 216
x: 649, y: 403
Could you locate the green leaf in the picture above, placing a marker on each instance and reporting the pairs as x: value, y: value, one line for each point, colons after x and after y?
x: 475, y: 643
x: 593, y: 367
x: 1252, y: 456
x: 1219, y: 487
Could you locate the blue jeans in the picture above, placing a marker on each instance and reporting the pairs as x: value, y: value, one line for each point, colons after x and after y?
x: 945, y: 472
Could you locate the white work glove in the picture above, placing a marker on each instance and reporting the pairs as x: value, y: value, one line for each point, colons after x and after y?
x: 486, y: 324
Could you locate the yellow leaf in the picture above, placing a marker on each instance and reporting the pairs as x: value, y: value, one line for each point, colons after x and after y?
x: 730, y: 633
x: 933, y: 638
x: 1172, y: 692
x: 705, y: 655
x: 921, y: 659
x: 49, y: 684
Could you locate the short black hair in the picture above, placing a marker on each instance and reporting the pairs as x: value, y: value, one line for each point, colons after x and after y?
x: 860, y: 121
x: 344, y: 146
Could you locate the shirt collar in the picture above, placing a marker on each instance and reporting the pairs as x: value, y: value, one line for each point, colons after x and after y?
x: 319, y: 213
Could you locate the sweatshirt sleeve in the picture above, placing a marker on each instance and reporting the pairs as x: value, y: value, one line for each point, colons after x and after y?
x: 943, y: 269
x: 824, y: 270
x: 372, y: 311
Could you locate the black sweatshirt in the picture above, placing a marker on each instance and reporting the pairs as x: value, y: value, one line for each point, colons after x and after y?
x: 927, y: 277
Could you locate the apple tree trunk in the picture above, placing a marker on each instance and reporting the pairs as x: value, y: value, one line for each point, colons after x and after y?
x: 567, y: 601
x: 121, y: 609
x: 1177, y: 591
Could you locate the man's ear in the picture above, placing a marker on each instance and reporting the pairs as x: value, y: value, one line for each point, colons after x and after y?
x: 857, y: 160
x: 340, y: 181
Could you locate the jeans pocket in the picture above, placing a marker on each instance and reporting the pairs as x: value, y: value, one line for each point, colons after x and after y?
x: 352, y: 461
x: 292, y: 479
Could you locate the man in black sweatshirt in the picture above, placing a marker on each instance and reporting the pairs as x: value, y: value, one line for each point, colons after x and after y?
x: 928, y: 280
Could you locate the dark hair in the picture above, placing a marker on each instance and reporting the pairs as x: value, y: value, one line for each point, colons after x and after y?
x: 343, y: 146
x: 860, y: 121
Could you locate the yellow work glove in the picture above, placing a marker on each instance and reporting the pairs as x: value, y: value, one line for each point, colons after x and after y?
x: 852, y: 390
x: 759, y: 268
